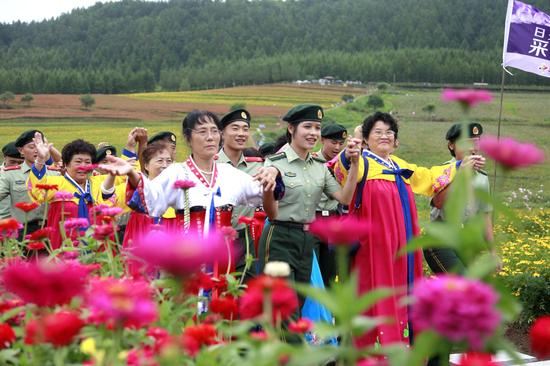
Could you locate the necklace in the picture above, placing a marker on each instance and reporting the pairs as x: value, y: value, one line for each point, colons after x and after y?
x: 206, y: 173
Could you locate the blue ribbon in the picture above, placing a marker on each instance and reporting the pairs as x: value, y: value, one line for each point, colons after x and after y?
x: 212, y: 218
x: 84, y: 197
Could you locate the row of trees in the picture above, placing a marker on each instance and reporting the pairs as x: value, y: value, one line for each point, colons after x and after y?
x: 138, y: 46
x: 404, y: 65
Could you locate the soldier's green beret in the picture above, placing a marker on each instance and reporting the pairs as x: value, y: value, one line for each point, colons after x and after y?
x: 103, y: 151
x: 267, y: 149
x: 26, y: 137
x: 474, y: 130
x: 164, y: 135
x: 334, y: 131
x: 304, y: 112
x: 11, y: 150
x: 236, y: 115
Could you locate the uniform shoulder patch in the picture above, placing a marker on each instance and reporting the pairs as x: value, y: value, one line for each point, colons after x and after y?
x: 13, y: 167
x: 278, y: 156
x: 253, y: 159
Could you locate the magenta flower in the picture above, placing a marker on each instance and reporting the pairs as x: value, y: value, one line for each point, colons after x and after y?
x: 45, y: 283
x: 340, y: 230
x: 111, y: 211
x: 74, y: 223
x: 102, y: 232
x: 125, y: 302
x: 458, y: 308
x: 63, y: 196
x: 510, y: 153
x: 184, y: 184
x: 468, y: 98
x: 181, y: 254
x: 87, y: 168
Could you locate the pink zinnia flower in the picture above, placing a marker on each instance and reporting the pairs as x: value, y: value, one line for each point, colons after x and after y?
x: 340, y: 230
x: 75, y: 223
x: 103, y: 231
x: 457, y: 308
x: 184, y: 184
x: 125, y: 302
x: 181, y: 254
x: 467, y: 97
x: 87, y: 167
x: 45, y: 283
x: 510, y: 153
x: 63, y: 196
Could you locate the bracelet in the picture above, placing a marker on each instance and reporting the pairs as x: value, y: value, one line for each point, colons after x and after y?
x: 106, y: 191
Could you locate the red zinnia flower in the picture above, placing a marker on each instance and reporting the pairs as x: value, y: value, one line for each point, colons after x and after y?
x: 40, y: 234
x: 302, y: 325
x: 225, y: 306
x: 196, y: 336
x: 197, y: 281
x: 246, y: 220
x: 9, y: 228
x: 7, y: 335
x: 283, y: 298
x: 467, y: 97
x: 26, y: 206
x: 58, y: 329
x: 510, y: 153
x: 45, y: 283
x: 540, y: 337
x: 47, y: 187
x: 184, y: 184
x: 36, y: 245
x: 477, y: 359
x: 340, y: 230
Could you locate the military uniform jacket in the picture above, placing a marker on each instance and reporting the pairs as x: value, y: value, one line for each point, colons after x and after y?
x: 13, y: 185
x: 250, y: 166
x: 305, y: 181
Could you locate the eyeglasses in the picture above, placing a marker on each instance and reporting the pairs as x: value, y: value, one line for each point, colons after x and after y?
x: 379, y: 133
x: 204, y: 132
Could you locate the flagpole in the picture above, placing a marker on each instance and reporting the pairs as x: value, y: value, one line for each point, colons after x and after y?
x: 498, y: 124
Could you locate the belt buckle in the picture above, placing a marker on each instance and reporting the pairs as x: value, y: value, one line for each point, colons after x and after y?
x: 325, y: 213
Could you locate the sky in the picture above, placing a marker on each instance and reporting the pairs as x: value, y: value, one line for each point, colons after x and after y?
x: 29, y: 10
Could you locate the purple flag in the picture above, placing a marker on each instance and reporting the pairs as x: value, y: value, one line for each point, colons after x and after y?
x: 527, y: 39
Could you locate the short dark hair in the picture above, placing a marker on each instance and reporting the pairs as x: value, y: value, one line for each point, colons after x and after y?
x: 387, y: 118
x: 77, y: 147
x: 153, y: 149
x: 197, y: 117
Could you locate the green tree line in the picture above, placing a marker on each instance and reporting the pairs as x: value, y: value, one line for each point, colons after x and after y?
x: 138, y: 46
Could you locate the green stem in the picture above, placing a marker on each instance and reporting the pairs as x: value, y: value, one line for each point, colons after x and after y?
x: 45, y: 215
x: 246, y: 261
x: 342, y: 258
x: 59, y: 356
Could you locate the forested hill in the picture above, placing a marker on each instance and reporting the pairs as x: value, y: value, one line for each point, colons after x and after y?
x: 181, y: 44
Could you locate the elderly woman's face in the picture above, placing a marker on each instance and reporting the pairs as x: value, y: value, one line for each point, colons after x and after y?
x: 381, y: 140
x: 205, y: 139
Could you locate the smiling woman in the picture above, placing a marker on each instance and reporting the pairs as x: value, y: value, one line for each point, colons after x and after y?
x: 87, y: 191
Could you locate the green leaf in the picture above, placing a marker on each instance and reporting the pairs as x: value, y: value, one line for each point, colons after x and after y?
x: 362, y: 324
x: 11, y: 313
x: 368, y: 300
x: 324, y: 297
x: 424, y: 345
x: 482, y: 266
x: 457, y: 197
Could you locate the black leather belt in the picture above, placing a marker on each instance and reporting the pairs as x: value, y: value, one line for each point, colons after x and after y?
x: 291, y: 224
x: 327, y: 213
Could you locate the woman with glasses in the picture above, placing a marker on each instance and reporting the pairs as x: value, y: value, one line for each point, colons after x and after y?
x: 215, y: 188
x: 385, y: 197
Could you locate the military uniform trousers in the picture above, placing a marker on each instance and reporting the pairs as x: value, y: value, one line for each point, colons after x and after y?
x: 286, y: 241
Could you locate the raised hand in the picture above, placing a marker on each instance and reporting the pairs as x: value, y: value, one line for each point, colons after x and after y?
x: 42, y: 147
x: 141, y: 135
x: 117, y: 166
x: 353, y: 150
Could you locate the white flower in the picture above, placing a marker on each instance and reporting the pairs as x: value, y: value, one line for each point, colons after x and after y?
x: 277, y: 269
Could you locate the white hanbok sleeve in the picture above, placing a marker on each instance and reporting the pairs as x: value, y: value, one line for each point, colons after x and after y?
x: 250, y: 192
